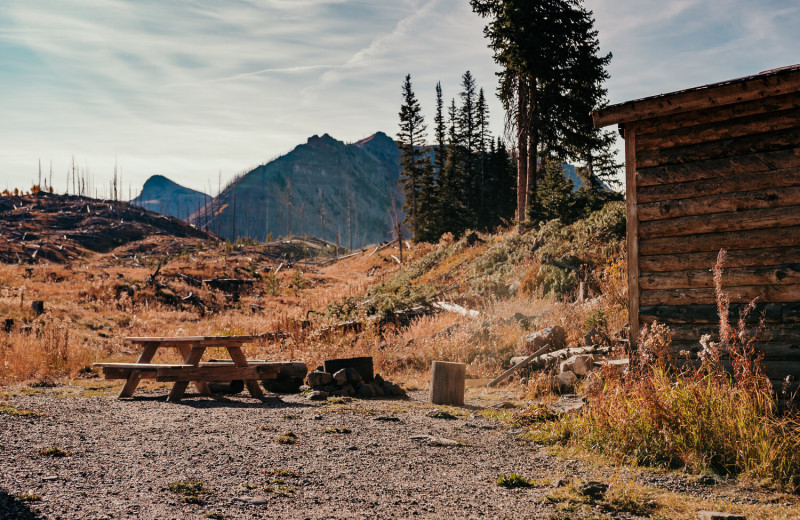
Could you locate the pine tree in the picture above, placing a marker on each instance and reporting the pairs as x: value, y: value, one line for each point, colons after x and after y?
x: 556, y: 199
x: 411, y: 140
x: 482, y: 210
x: 552, y: 79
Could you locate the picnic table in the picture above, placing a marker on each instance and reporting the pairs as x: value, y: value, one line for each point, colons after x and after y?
x: 192, y: 370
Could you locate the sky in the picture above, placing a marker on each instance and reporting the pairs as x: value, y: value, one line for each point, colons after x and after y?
x: 202, y: 89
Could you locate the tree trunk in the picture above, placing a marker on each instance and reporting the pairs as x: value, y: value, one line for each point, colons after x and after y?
x: 447, y: 383
x: 522, y: 151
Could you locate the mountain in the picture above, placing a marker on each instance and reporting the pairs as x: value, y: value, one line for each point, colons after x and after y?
x: 164, y: 196
x: 323, y: 187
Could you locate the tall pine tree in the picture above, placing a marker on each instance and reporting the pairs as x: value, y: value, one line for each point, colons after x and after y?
x: 413, y: 158
x: 551, y: 79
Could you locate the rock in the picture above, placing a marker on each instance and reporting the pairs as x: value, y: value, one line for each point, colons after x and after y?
x: 340, y: 377
x: 593, y: 381
x: 305, y: 388
x: 561, y: 482
x: 588, y: 338
x: 317, y: 395
x: 393, y: 389
x: 516, y: 360
x: 513, y: 289
x: 344, y: 391
x: 593, y: 489
x: 553, y: 336
x: 354, y: 376
x: 362, y: 364
x: 707, y: 480
x: 565, y: 381
x: 715, y: 515
x: 366, y: 390
x: 620, y: 365
x: 580, y: 364
x: 567, y: 403
x: 316, y: 378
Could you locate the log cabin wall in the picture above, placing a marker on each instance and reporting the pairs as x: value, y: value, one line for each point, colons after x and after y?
x: 713, y: 168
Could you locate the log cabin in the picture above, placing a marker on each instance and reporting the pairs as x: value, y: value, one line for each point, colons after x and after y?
x: 710, y: 168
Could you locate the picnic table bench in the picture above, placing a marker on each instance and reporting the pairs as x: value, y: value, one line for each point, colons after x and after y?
x: 192, y: 370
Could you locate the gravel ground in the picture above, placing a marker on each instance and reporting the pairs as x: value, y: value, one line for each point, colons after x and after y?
x: 123, y: 454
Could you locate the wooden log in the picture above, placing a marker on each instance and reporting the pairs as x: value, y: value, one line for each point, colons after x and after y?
x: 519, y: 366
x: 769, y: 351
x: 708, y: 314
x: 728, y: 93
x: 633, y: 240
x: 768, y: 335
x: 125, y: 373
x: 447, y: 383
x: 727, y: 202
x: 759, y: 163
x: 206, y: 374
x: 731, y: 128
x: 734, y: 258
x: 740, y: 294
x: 760, y: 143
x: 772, y: 275
x: 768, y: 218
x: 716, y: 114
x: 754, y: 239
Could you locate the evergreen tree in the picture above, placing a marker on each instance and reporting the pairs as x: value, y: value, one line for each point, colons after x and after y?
x: 411, y: 140
x: 468, y: 133
x: 482, y: 112
x: 556, y: 199
x: 552, y: 79
x: 452, y: 207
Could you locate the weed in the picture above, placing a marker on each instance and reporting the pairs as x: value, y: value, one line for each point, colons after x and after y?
x: 441, y: 414
x: 215, y: 515
x: 513, y: 480
x: 283, y: 491
x: 54, y: 452
x: 12, y: 410
x: 192, y: 491
x: 29, y: 497
x: 287, y: 438
x: 699, y: 418
x: 282, y: 472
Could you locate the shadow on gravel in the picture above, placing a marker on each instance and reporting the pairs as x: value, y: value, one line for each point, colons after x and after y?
x: 12, y: 507
x: 218, y: 401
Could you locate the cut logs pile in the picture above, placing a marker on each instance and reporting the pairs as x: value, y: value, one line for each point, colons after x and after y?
x: 351, y: 377
x: 568, y: 365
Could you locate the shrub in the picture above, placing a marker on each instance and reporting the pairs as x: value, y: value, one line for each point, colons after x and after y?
x: 699, y: 417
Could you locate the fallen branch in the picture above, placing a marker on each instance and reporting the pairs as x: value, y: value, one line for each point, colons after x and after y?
x: 519, y: 366
x: 458, y: 309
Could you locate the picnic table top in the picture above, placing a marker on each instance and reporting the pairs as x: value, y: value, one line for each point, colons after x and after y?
x: 193, y: 339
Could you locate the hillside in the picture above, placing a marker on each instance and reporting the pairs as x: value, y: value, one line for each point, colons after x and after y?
x: 61, y: 228
x: 166, y: 197
x: 324, y: 188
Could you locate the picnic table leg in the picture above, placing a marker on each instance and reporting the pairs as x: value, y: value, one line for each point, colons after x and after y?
x: 148, y: 352
x: 241, y: 361
x: 202, y: 387
x: 193, y: 358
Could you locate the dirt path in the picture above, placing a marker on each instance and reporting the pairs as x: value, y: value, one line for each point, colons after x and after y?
x: 123, y: 455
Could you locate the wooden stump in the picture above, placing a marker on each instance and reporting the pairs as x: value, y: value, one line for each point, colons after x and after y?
x: 447, y: 383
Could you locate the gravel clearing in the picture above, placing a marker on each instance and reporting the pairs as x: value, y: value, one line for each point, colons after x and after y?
x: 359, y: 459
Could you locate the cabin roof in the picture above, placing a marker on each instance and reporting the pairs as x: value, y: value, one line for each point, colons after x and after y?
x: 769, y: 83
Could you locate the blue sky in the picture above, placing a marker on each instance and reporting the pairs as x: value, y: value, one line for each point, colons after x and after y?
x: 191, y: 88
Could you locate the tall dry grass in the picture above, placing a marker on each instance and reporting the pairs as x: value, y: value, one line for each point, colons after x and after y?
x: 694, y: 416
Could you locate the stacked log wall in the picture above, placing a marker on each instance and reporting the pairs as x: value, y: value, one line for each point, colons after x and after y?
x: 725, y: 177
